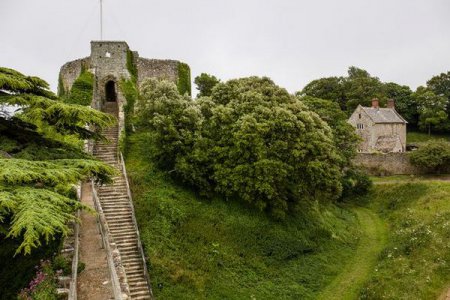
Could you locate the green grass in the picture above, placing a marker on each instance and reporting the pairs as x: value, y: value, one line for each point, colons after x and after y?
x: 218, y: 249
x: 416, y: 261
x: 396, y: 247
x: 421, y: 137
x: 348, y: 283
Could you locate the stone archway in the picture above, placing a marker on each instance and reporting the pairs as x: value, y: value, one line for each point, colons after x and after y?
x: 110, y: 91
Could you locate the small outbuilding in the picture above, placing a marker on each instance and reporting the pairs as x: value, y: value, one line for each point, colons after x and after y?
x: 381, y: 129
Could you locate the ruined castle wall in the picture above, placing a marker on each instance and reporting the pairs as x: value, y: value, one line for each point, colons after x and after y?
x: 156, y: 68
x: 71, y: 70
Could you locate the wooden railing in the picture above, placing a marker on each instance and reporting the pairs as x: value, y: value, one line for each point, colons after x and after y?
x: 141, y: 249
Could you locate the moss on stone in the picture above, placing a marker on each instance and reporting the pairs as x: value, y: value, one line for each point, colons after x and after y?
x: 131, y: 66
x: 184, y: 79
x: 61, y: 89
x: 82, y: 89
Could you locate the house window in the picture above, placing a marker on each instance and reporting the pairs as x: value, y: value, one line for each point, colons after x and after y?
x: 360, y: 116
x: 360, y: 126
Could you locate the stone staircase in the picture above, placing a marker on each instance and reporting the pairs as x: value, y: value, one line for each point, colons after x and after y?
x: 117, y: 208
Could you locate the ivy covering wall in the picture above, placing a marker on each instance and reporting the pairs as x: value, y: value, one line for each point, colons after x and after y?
x: 184, y: 79
x: 82, y: 89
x: 61, y: 89
x: 131, y: 66
x: 130, y: 92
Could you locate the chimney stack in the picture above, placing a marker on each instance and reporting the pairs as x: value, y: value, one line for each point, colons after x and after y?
x: 391, y: 103
x: 375, y: 103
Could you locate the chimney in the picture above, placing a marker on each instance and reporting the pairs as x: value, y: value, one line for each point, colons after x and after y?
x: 391, y: 103
x: 375, y: 103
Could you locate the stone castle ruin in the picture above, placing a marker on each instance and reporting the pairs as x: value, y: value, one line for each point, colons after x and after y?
x: 111, y: 62
x: 106, y: 80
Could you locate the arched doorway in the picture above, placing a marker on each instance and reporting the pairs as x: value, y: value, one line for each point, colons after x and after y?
x: 110, y: 91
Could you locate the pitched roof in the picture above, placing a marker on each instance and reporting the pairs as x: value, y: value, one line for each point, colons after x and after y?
x: 384, y: 115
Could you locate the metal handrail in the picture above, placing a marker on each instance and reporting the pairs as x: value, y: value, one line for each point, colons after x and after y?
x: 133, y: 217
x: 104, y: 230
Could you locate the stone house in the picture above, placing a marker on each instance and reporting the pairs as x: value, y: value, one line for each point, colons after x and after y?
x: 381, y: 129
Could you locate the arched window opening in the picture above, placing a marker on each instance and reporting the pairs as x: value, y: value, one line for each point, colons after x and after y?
x: 110, y: 91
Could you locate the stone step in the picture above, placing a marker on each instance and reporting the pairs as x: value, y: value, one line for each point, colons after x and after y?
x: 139, y: 293
x: 142, y: 297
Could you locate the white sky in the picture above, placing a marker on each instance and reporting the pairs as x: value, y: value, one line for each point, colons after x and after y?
x: 291, y: 41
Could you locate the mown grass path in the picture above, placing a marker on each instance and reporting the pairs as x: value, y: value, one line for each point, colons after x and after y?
x: 348, y: 283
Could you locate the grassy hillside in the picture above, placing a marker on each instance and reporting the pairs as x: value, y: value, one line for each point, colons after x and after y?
x: 416, y: 262
x: 215, y: 249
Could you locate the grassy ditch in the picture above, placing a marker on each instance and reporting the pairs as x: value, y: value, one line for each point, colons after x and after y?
x: 415, y: 264
x: 216, y: 249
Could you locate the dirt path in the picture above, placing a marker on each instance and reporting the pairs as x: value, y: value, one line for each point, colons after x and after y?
x: 348, y: 283
x: 94, y: 282
x: 445, y: 178
x: 445, y: 295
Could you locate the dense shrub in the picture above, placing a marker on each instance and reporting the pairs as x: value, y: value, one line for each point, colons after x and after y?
x: 251, y: 139
x: 355, y: 183
x: 344, y: 134
x: 433, y: 156
x: 205, y: 83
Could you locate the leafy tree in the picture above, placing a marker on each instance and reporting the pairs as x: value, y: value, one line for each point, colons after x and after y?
x: 434, y: 156
x: 205, y: 84
x: 440, y: 85
x: 329, y: 88
x: 251, y: 139
x: 38, y: 171
x: 173, y: 117
x: 431, y: 109
x: 404, y: 101
x: 359, y: 87
x: 344, y: 135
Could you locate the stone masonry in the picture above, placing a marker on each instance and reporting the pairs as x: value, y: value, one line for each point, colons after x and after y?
x: 108, y: 63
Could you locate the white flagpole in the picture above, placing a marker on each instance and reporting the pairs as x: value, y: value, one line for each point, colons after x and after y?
x: 101, y: 20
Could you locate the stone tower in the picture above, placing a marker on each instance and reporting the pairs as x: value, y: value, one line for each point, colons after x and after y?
x: 112, y: 61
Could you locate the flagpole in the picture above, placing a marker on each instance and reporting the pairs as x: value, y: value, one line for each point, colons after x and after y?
x: 101, y: 20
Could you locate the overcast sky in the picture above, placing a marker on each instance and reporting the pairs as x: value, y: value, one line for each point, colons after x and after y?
x: 291, y: 41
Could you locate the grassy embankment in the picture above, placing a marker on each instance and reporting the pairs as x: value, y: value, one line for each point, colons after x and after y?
x: 217, y: 249
x: 416, y: 261
x: 212, y: 249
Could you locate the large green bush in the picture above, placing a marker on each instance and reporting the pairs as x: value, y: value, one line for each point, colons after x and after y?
x: 433, y: 156
x: 251, y: 139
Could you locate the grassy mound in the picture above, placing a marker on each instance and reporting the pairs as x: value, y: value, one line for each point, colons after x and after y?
x: 416, y: 262
x: 215, y: 249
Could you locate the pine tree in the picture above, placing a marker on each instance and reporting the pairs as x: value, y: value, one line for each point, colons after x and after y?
x: 38, y: 166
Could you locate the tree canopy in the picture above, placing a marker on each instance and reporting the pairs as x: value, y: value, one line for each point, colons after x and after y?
x: 431, y: 109
x: 205, y: 83
x: 249, y: 140
x: 38, y: 168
